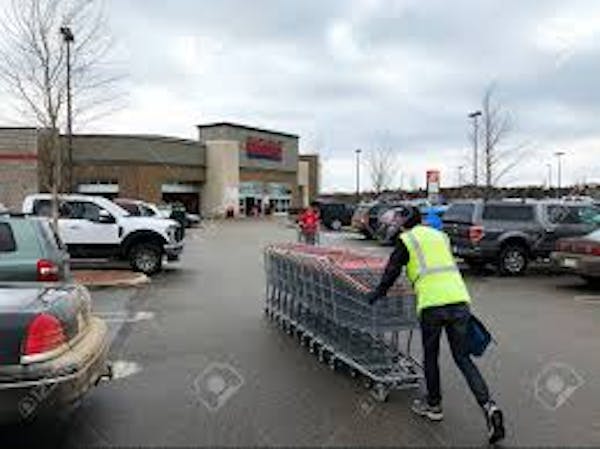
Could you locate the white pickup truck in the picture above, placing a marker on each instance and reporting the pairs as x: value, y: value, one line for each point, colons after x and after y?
x: 96, y: 228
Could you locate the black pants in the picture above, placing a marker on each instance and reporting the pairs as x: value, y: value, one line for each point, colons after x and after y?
x: 454, y: 318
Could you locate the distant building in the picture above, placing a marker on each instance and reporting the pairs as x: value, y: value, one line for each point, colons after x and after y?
x: 230, y: 167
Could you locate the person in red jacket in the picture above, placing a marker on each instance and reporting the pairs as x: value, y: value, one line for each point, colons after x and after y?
x: 309, y: 224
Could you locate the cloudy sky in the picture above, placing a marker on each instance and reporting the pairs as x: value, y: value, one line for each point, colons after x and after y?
x: 347, y: 74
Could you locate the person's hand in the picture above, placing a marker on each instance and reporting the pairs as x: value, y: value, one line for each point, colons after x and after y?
x: 372, y: 298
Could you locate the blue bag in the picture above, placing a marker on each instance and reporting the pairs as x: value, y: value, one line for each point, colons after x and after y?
x: 478, y: 337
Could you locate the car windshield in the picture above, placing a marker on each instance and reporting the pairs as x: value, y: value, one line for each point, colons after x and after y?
x: 568, y: 214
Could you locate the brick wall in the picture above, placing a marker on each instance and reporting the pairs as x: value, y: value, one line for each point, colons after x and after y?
x: 18, y: 165
x: 141, y: 181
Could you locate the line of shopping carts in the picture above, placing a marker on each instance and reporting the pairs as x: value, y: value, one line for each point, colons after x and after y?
x: 318, y: 294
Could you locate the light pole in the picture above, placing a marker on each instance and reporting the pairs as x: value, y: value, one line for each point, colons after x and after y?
x: 460, y: 175
x: 559, y: 155
x: 358, y: 151
x: 549, y: 166
x: 475, y: 116
x: 69, y: 39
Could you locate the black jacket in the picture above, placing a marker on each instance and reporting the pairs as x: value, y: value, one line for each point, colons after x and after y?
x: 398, y: 259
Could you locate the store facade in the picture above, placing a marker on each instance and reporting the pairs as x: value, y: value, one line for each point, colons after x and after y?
x: 230, y: 168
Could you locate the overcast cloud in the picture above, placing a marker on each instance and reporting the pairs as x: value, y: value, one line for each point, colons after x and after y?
x: 347, y: 74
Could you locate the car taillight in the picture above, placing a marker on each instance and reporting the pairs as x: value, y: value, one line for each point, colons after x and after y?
x: 44, y: 334
x: 47, y: 271
x: 594, y: 250
x: 476, y: 233
x: 562, y: 246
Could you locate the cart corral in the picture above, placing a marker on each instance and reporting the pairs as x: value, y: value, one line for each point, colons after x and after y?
x: 319, y: 295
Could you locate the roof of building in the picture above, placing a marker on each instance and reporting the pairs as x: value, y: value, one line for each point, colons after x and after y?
x: 152, y: 137
x: 249, y: 128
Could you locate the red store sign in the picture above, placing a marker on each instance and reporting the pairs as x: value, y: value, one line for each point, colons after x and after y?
x: 257, y: 148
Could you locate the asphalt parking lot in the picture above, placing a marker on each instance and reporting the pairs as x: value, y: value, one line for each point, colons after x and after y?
x: 205, y: 313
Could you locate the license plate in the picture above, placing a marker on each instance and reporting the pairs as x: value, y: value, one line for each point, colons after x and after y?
x: 570, y: 263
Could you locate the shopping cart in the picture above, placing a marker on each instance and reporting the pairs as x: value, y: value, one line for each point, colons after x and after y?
x: 318, y: 294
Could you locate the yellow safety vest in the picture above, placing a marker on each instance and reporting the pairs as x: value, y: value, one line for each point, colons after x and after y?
x: 432, y: 269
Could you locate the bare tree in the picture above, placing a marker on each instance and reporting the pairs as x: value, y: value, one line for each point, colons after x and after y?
x: 33, y: 67
x: 499, y: 158
x: 382, y: 165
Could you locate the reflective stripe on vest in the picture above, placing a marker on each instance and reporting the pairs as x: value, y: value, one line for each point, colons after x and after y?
x: 424, y: 270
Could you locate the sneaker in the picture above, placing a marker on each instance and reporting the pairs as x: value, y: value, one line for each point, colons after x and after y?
x: 422, y: 408
x: 495, y: 422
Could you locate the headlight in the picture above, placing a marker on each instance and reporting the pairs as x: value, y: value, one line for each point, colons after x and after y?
x: 172, y: 233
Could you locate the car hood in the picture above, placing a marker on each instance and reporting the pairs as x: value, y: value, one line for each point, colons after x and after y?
x: 149, y: 222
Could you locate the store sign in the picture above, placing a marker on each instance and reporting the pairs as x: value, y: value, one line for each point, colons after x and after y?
x: 257, y: 148
x: 433, y: 185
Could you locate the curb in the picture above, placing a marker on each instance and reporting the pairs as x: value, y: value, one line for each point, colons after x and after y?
x: 135, y: 280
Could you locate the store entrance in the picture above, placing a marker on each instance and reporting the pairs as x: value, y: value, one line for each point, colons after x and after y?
x: 251, y: 206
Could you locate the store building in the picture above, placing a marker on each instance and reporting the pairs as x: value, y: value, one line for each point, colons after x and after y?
x: 230, y: 167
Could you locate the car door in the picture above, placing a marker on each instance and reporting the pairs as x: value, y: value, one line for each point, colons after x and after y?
x: 82, y: 230
x: 567, y: 221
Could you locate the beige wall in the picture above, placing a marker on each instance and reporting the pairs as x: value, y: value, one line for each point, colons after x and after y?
x: 221, y: 190
x: 303, y: 182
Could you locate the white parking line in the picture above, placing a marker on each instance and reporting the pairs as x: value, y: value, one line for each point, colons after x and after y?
x: 124, y: 317
x: 589, y: 299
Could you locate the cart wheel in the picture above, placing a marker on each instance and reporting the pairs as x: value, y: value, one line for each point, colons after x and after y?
x: 321, y: 356
x: 353, y: 373
x: 380, y: 393
x: 367, y: 383
x: 332, y: 363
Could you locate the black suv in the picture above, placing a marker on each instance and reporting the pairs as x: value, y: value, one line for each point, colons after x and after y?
x: 335, y: 215
x: 510, y: 234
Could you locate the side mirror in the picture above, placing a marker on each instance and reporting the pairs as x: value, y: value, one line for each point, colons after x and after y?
x: 105, y: 217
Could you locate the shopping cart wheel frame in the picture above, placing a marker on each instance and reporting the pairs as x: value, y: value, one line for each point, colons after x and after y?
x: 380, y: 392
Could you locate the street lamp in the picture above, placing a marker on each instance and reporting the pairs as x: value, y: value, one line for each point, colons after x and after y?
x: 549, y: 166
x: 475, y: 116
x: 358, y: 151
x: 68, y: 39
x: 460, y: 175
x: 559, y: 155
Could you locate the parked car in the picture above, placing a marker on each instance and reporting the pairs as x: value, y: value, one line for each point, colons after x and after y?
x: 139, y: 208
x: 389, y: 225
x: 30, y: 251
x: 510, y: 234
x: 335, y: 215
x: 53, y: 350
x: 366, y: 217
x: 94, y: 227
x: 580, y: 255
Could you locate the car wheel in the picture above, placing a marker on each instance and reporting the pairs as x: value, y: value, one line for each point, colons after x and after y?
x: 592, y: 281
x: 336, y: 225
x: 512, y: 260
x: 146, y: 258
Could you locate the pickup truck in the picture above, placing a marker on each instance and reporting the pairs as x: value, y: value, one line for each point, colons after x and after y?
x: 96, y: 228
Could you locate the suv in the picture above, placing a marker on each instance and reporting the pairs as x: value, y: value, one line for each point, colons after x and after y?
x: 366, y: 217
x: 30, y: 251
x: 94, y: 227
x: 335, y: 215
x: 510, y: 234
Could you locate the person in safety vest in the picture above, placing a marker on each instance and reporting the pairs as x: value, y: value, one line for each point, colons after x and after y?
x: 442, y: 303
